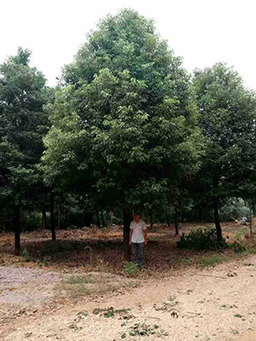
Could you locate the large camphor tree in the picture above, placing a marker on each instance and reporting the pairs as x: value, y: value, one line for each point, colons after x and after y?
x: 124, y: 123
x: 227, y: 115
x: 22, y: 126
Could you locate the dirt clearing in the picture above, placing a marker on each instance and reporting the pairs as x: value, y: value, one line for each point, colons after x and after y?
x: 210, y: 304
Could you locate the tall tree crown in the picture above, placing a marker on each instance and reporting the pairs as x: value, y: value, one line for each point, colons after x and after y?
x: 22, y: 57
x: 125, y: 114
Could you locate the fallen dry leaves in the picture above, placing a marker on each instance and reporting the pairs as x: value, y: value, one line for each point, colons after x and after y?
x: 94, y: 249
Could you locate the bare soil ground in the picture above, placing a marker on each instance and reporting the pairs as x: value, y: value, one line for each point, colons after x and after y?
x: 70, y: 296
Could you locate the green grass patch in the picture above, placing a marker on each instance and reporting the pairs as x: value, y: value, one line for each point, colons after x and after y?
x: 240, y: 233
x: 131, y: 268
x: 201, y: 239
x: 249, y: 251
x: 238, y: 247
x: 110, y: 312
x: 142, y: 329
x: 209, y: 261
x: 92, y: 284
x: 82, y: 279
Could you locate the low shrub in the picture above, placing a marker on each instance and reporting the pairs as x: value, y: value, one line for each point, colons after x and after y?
x: 240, y: 234
x: 201, y: 240
x: 131, y: 268
x: 210, y: 261
x: 238, y: 248
x: 25, y: 254
x: 81, y: 279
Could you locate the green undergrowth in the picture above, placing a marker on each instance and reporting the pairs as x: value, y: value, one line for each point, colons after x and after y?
x: 77, y: 286
x: 211, y: 260
x: 201, y: 239
x: 111, y: 312
x: 131, y: 268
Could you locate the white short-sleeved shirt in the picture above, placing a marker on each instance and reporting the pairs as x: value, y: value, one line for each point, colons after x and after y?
x: 137, y: 234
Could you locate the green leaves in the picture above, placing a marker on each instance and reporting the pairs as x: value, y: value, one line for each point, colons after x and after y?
x: 22, y: 126
x: 126, y: 115
x: 227, y: 113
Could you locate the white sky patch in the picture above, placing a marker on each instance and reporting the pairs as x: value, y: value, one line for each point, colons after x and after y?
x: 203, y: 32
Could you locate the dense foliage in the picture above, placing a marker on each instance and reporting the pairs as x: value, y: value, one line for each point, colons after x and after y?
x: 124, y: 125
x: 201, y: 240
x: 127, y: 128
x: 227, y: 114
x: 22, y: 126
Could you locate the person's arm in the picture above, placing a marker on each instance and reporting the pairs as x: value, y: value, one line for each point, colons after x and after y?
x: 130, y: 237
x: 145, y: 236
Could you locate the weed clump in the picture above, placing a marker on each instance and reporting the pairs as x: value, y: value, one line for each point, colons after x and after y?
x: 238, y: 248
x: 26, y: 255
x: 142, y: 329
x: 202, y: 239
x: 131, y: 268
x: 80, y: 279
x: 210, y: 261
x: 109, y: 312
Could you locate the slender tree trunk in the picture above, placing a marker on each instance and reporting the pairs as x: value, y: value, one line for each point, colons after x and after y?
x: 44, y: 223
x: 127, y: 220
x: 59, y: 216
x: 17, y: 229
x: 151, y: 220
x: 216, y: 180
x: 98, y: 218
x: 66, y: 217
x: 4, y: 226
x: 251, y: 221
x: 52, y: 217
x: 217, y: 220
x: 102, y: 219
x: 176, y: 221
x: 2, y: 222
x: 202, y: 215
x: 168, y: 220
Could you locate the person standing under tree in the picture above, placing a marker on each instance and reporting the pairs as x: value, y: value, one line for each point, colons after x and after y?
x: 137, y: 239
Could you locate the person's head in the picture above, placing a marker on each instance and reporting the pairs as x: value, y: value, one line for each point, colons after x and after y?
x: 136, y: 217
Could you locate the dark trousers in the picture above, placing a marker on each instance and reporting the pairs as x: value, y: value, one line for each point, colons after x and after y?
x: 138, y: 253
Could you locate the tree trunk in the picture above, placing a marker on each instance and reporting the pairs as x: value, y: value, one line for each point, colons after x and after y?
x: 176, y: 221
x: 98, y: 218
x: 2, y: 223
x: 127, y: 220
x: 44, y: 223
x: 151, y: 220
x: 59, y: 217
x: 202, y: 215
x: 17, y: 229
x: 168, y: 220
x: 66, y: 217
x: 52, y: 217
x: 102, y: 219
x: 251, y: 221
x: 216, y: 180
x: 217, y: 220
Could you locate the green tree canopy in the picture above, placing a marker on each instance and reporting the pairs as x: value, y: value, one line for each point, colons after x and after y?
x: 227, y: 113
x: 124, y: 123
x: 22, y: 126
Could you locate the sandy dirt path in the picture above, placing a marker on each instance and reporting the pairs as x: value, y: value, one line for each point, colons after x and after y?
x: 211, y: 304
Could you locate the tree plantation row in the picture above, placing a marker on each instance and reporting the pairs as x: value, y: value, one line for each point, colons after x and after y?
x: 126, y: 129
